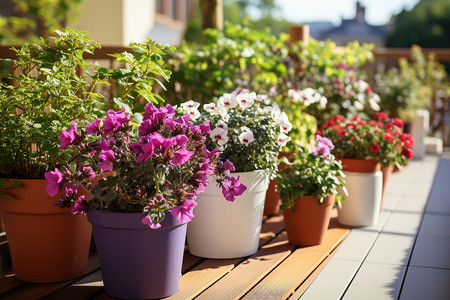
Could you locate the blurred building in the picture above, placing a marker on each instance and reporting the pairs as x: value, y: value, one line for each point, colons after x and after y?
x: 351, y: 30
x: 117, y: 22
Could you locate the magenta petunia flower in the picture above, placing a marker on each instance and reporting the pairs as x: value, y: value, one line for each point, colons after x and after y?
x: 161, y: 143
x: 182, y: 140
x: 106, y: 156
x: 68, y: 136
x: 94, y: 127
x: 228, y: 167
x: 184, y: 213
x: 181, y: 156
x: 79, y: 207
x: 232, y: 187
x: 146, y: 127
x: 215, y: 152
x: 150, y: 109
x: 114, y: 120
x: 55, y: 182
x: 148, y: 221
x: 147, y: 151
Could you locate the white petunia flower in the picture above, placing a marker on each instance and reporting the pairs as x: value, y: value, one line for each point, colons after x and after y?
x: 294, y: 95
x: 323, y: 102
x: 228, y: 100
x: 210, y: 107
x: 283, y: 139
x: 246, y: 100
x: 246, y: 137
x: 222, y: 124
x: 285, y: 125
x: 219, y: 135
x: 194, y: 114
x: 189, y: 105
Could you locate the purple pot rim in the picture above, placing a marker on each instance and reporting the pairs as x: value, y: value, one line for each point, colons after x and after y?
x: 123, y: 220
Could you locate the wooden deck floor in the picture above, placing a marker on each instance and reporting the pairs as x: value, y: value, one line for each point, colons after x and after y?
x: 278, y: 270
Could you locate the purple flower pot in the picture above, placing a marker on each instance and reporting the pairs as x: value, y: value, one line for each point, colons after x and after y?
x: 138, y: 262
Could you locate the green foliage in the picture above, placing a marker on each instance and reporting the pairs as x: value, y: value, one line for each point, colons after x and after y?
x: 144, y: 69
x: 411, y: 86
x: 34, y: 18
x: 308, y: 174
x: 427, y: 24
x: 48, y: 94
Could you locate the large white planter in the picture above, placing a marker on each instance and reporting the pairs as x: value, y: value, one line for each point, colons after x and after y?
x: 419, y: 131
x: 362, y: 207
x: 223, y: 229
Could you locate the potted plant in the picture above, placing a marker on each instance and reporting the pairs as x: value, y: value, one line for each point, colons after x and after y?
x: 308, y: 186
x: 250, y: 133
x: 139, y: 208
x: 302, y: 132
x: 41, y: 98
x: 364, y: 147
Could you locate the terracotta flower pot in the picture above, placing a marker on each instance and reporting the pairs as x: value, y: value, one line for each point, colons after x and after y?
x: 387, y: 172
x: 307, y: 225
x: 360, y: 165
x: 47, y: 243
x: 273, y: 200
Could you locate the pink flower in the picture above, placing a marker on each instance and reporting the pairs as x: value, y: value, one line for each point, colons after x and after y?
x: 181, y: 156
x: 68, y: 136
x: 150, y: 109
x: 55, y: 182
x: 148, y: 221
x: 146, y: 151
x: 106, y: 156
x: 219, y: 135
x: 113, y: 122
x: 94, y: 127
x: 184, y: 213
x: 381, y: 116
x: 146, y: 127
x: 246, y: 137
x: 228, y: 167
x: 232, y: 187
x: 79, y: 207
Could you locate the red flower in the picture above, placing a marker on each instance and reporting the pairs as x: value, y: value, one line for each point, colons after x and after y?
x: 408, y: 139
x: 398, y: 122
x: 340, y: 118
x: 363, y: 123
x: 381, y: 116
x: 375, y: 148
x: 356, y: 117
x: 318, y: 132
x: 389, y: 125
x: 369, y: 89
x: 373, y: 123
x: 335, y: 127
x: 407, y: 152
x: 342, y: 132
x: 388, y: 137
x: 324, y: 126
x: 381, y: 124
x: 352, y: 138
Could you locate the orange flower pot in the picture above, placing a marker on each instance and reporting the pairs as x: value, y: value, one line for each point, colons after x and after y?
x: 273, y: 200
x: 387, y: 172
x: 47, y: 243
x: 307, y: 225
x: 360, y: 165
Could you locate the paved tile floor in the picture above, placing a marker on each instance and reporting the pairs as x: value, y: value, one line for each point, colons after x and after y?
x: 406, y: 255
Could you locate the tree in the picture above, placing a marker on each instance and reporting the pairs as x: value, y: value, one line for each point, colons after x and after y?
x: 427, y: 24
x: 33, y: 18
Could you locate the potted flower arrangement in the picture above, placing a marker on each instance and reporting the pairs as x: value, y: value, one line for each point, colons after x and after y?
x: 37, y: 101
x: 150, y: 179
x: 364, y: 147
x: 302, y: 132
x: 308, y: 187
x: 250, y: 133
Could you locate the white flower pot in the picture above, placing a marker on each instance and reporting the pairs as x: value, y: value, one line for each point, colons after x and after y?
x: 419, y: 131
x: 362, y: 205
x: 223, y: 229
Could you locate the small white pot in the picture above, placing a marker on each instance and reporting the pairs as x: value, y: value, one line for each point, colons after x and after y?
x: 223, y: 229
x: 362, y: 205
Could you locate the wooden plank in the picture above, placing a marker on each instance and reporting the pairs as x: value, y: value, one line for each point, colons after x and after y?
x: 39, y: 290
x: 305, y: 284
x: 86, y: 288
x: 202, y: 276
x: 251, y: 271
x: 9, y: 283
x: 287, y: 277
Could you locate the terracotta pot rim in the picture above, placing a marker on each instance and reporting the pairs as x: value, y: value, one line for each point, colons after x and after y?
x: 360, y: 165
